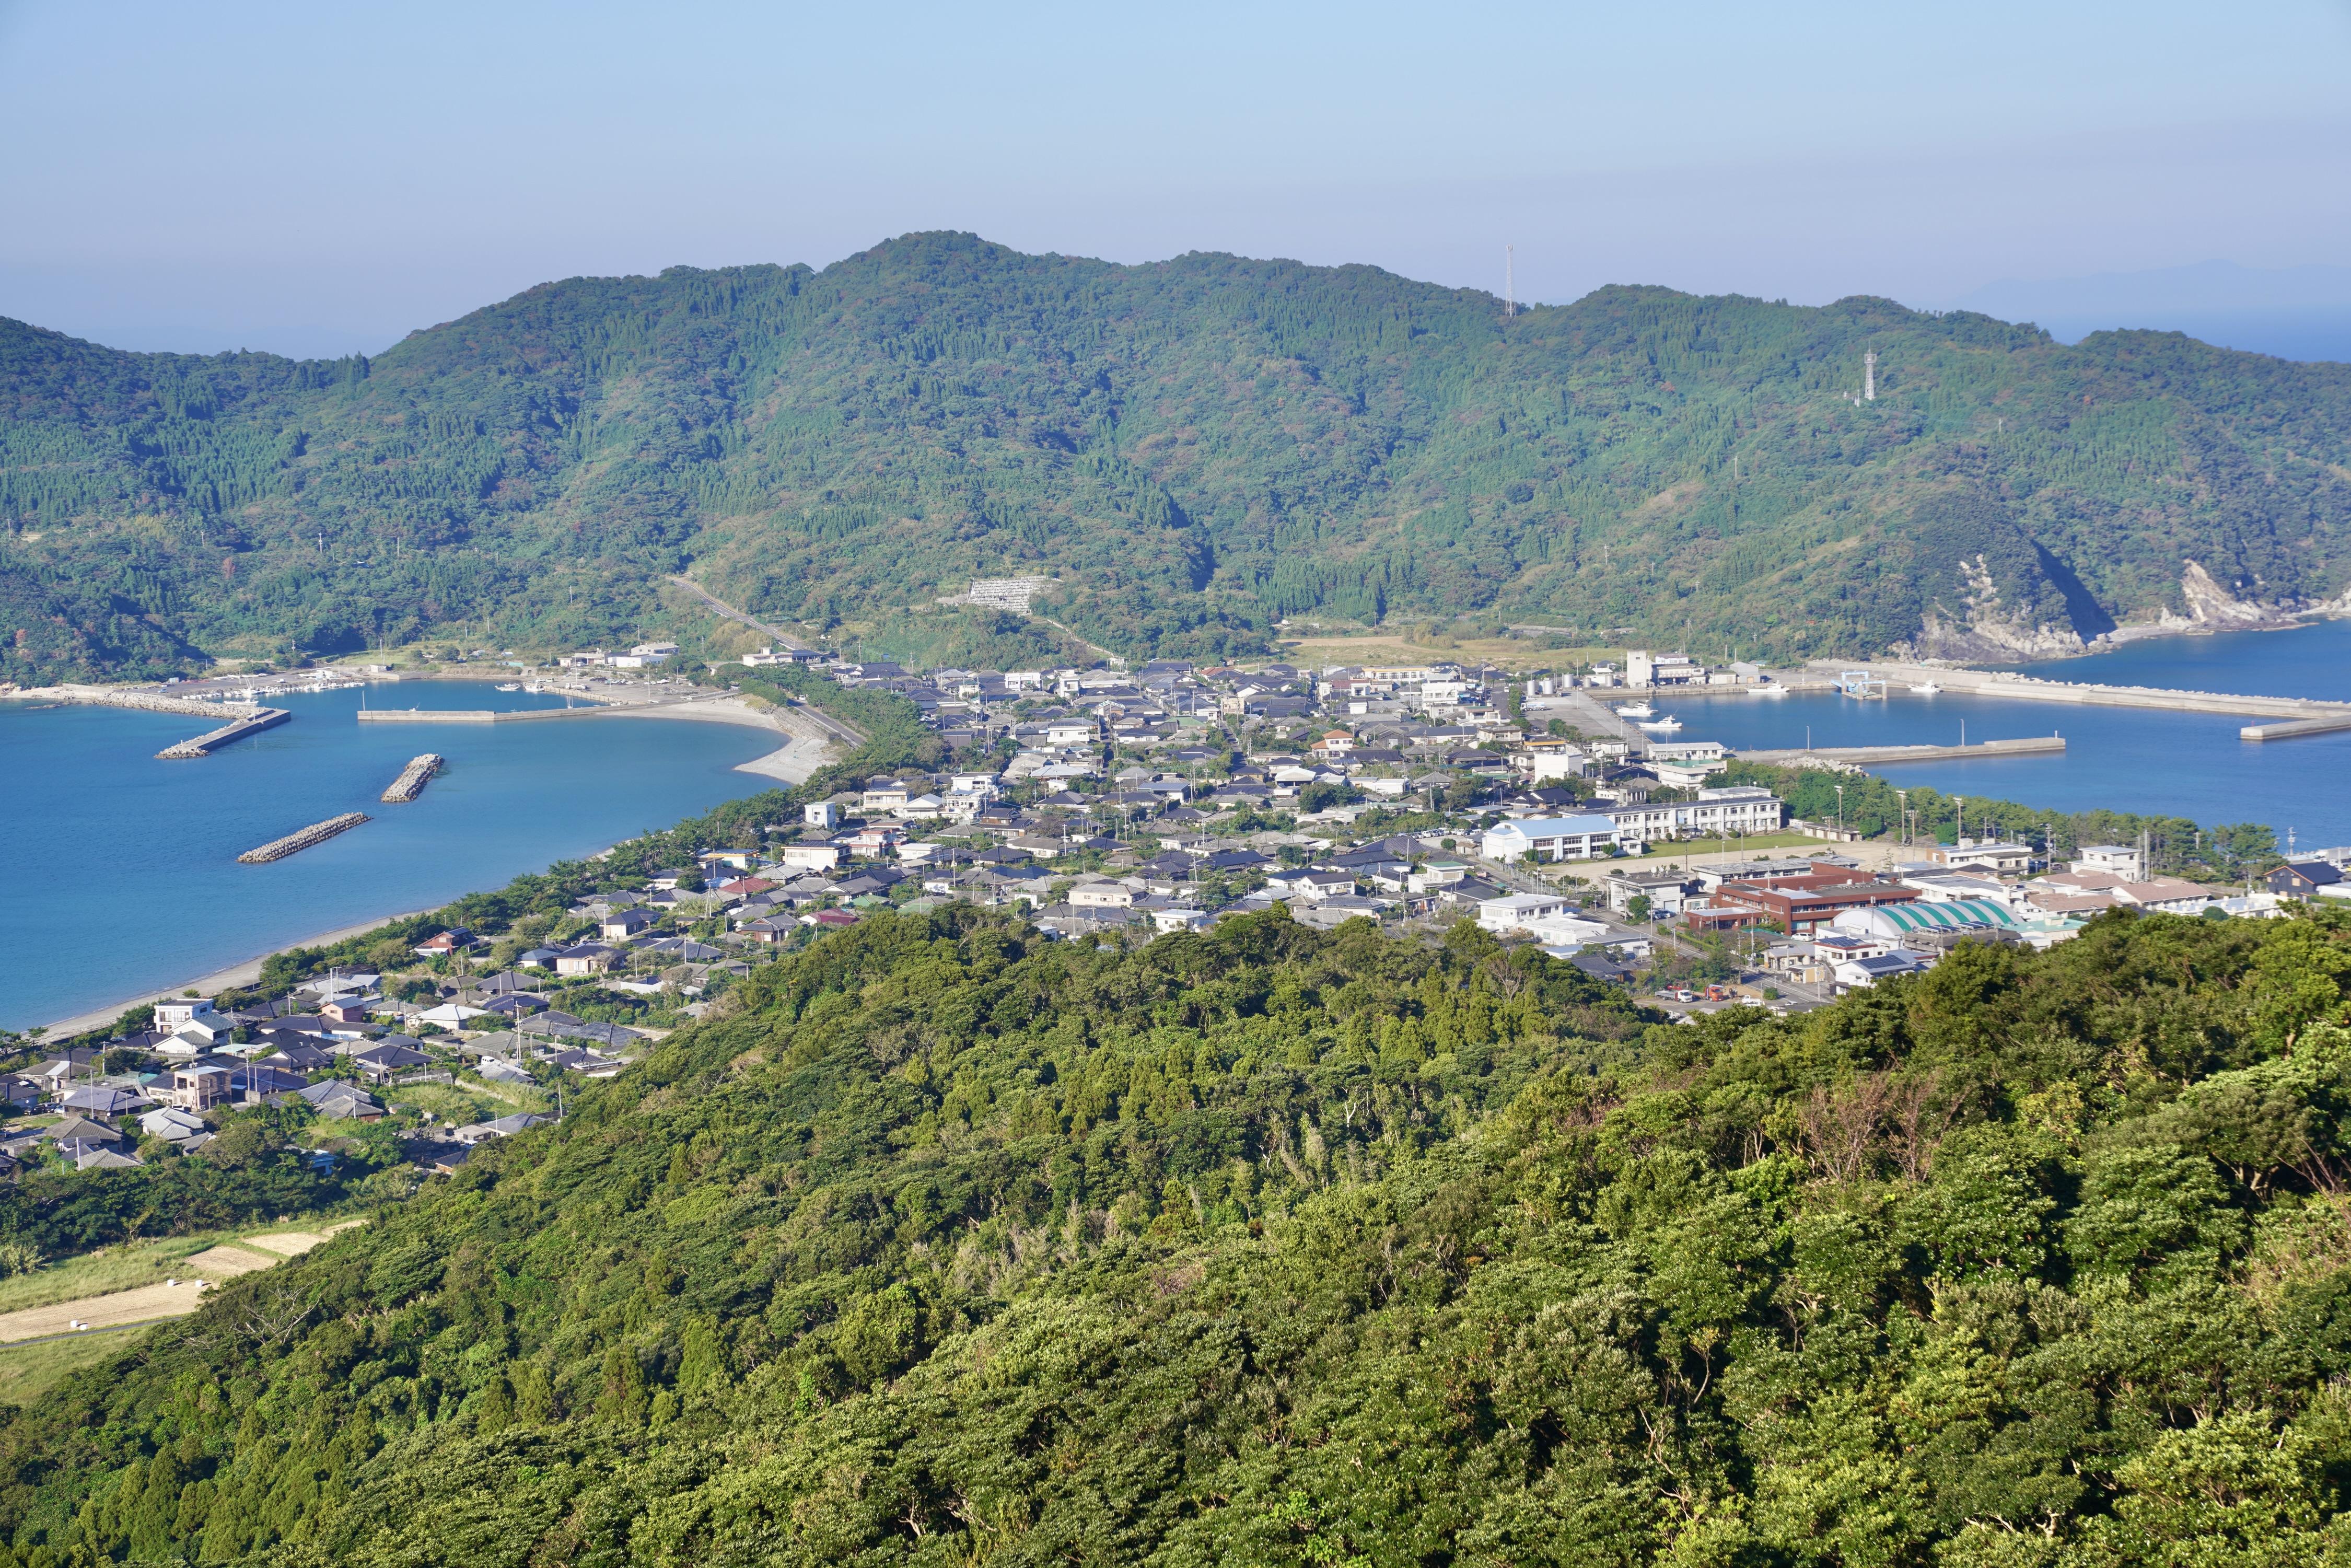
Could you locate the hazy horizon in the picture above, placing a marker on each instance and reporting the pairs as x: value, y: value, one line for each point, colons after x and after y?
x: 2218, y: 302
x: 275, y: 177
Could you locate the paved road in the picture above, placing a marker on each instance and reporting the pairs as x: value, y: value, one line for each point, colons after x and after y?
x: 721, y: 607
x: 831, y: 727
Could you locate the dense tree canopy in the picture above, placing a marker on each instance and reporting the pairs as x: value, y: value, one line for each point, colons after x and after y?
x: 956, y: 1244
x: 1194, y: 448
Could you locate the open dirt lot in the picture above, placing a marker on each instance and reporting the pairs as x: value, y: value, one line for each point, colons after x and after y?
x: 148, y: 1302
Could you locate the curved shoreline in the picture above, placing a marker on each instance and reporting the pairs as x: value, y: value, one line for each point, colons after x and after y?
x: 799, y: 756
x: 238, y: 973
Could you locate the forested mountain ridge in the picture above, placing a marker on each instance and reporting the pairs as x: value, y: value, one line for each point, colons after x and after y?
x: 1195, y: 447
x: 1274, y: 1246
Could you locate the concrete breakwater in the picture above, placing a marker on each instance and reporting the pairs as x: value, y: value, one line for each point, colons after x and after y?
x: 2287, y: 729
x: 211, y: 741
x: 496, y: 715
x: 294, y: 843
x: 2010, y: 686
x: 149, y: 702
x: 1856, y: 756
x: 410, y: 782
x: 448, y: 715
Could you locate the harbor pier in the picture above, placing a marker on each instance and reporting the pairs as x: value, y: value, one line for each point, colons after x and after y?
x: 2293, y: 715
x: 1876, y: 756
x: 250, y: 723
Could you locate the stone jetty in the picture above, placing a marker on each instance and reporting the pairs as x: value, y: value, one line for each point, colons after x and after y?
x: 410, y: 782
x: 294, y: 843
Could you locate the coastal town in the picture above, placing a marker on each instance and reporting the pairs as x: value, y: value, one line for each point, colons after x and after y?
x: 1554, y: 809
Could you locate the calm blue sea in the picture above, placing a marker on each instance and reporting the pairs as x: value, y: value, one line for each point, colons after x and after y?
x: 122, y: 870
x: 2177, y: 764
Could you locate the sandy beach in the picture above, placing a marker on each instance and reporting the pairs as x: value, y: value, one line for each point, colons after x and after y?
x: 243, y: 974
x: 806, y: 748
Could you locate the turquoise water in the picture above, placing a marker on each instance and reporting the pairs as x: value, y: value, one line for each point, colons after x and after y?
x: 122, y: 869
x: 2174, y: 764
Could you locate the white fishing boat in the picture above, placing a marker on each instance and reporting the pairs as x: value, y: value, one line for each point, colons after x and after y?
x: 1926, y: 689
x: 510, y: 685
x: 534, y: 687
x: 1768, y: 689
x: 1635, y: 710
x: 1666, y: 725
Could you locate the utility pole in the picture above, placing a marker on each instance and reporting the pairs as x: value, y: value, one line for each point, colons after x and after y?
x: 1510, y: 281
x: 1904, y: 797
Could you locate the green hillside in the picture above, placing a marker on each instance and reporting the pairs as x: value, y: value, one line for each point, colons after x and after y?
x: 1196, y: 448
x: 955, y: 1244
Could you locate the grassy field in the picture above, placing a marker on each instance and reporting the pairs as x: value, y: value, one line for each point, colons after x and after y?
x: 1390, y: 648
x: 122, y: 1268
x: 130, y: 1266
x: 29, y: 1371
x: 468, y: 1101
x: 1755, y: 842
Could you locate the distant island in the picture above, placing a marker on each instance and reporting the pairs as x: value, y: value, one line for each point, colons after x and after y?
x: 1178, y: 458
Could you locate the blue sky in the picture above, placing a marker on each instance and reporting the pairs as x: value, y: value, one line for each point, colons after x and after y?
x: 314, y: 179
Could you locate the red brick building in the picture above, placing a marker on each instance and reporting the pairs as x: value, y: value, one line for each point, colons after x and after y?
x: 1799, y: 905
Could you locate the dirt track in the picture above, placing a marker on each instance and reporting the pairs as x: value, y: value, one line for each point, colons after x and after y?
x: 148, y: 1303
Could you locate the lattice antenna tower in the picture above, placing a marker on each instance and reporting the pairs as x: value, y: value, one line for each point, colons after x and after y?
x: 1869, y: 376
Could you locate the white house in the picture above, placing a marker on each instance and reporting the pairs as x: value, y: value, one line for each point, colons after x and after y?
x: 2115, y: 860
x: 812, y: 857
x: 1070, y: 732
x: 825, y: 815
x: 1555, y: 763
x: 1856, y: 974
x: 1521, y: 911
x: 171, y: 1013
x: 1563, y: 933
x: 2003, y: 860
x: 1552, y: 839
x: 1664, y: 890
x: 1322, y: 884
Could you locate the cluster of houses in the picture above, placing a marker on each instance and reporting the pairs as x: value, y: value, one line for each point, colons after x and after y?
x: 333, y: 1045
x: 1843, y: 928
x: 1145, y: 799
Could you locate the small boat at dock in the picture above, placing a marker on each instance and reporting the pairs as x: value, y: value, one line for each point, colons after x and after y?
x: 510, y: 687
x: 1634, y: 710
x: 1664, y: 726
x: 1926, y: 689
